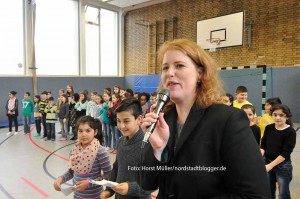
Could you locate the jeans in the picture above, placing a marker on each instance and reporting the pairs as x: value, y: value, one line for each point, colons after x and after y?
x: 38, y: 122
x: 12, y: 118
x: 107, y: 131
x: 283, y: 174
x: 26, y: 122
x: 64, y: 128
x: 51, y: 130
x: 116, y: 136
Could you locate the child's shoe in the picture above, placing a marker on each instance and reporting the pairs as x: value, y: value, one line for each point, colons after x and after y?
x: 9, y: 133
x: 37, y: 135
x: 62, y: 139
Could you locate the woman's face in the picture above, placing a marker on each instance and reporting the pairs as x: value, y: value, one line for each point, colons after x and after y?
x: 180, y: 76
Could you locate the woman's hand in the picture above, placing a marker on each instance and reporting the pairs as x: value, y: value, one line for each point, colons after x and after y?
x: 57, y: 183
x: 160, y: 136
x: 82, y: 185
x: 105, y: 195
x: 121, y: 188
x: 64, y: 120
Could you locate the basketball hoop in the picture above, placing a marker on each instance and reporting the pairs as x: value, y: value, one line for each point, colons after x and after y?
x: 213, y: 43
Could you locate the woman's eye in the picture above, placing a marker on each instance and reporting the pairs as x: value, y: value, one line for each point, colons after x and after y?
x: 165, y: 68
x: 179, y: 65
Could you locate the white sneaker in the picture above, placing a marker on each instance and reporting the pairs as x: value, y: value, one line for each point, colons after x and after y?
x: 15, y: 133
x: 9, y: 133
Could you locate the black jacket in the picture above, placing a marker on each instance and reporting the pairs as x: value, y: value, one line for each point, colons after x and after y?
x: 216, y: 137
x: 15, y: 109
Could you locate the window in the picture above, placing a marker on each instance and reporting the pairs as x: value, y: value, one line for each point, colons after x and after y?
x: 109, y: 42
x: 57, y: 37
x: 101, y: 39
x: 11, y: 38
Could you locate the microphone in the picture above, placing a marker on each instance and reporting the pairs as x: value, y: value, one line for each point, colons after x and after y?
x: 162, y: 98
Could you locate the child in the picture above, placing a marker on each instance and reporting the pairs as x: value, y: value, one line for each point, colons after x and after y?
x: 73, y: 115
x: 12, y: 111
x: 250, y: 111
x: 241, y: 95
x: 105, y: 120
x: 111, y: 113
x: 117, y: 88
x: 51, y: 118
x: 129, y: 116
x: 43, y: 103
x: 58, y: 102
x: 277, y: 145
x: 144, y: 98
x: 37, y: 115
x: 91, y: 104
x: 63, y: 116
x: 153, y: 98
x: 27, y: 109
x: 87, y: 159
x: 228, y: 99
x: 70, y: 92
x: 267, y: 119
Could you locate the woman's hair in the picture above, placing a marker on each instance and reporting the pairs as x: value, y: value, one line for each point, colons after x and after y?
x: 37, y: 97
x: 66, y: 97
x: 93, y: 123
x: 209, y: 89
x: 132, y: 105
x: 13, y: 92
x: 286, y: 110
x: 273, y: 101
x: 230, y: 97
x: 85, y: 96
x: 249, y: 106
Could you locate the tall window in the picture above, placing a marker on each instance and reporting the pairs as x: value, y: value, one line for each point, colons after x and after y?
x: 101, y: 36
x: 56, y: 37
x: 11, y: 38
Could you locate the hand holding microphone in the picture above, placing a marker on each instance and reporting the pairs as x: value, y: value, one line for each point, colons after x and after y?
x: 161, y: 134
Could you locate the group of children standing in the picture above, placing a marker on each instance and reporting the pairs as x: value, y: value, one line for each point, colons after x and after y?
x: 89, y: 158
x: 274, y: 134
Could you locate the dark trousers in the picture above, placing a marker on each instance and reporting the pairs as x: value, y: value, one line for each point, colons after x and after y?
x: 51, y: 130
x: 12, y: 118
x: 38, y: 122
x: 44, y: 125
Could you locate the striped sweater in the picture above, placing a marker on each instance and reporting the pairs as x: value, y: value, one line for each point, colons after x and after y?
x: 101, y: 163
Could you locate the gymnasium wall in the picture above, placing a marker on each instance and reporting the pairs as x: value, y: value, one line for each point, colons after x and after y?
x: 281, y: 82
x: 275, y: 31
x: 53, y: 84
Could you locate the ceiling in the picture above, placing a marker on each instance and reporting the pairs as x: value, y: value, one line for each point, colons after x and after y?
x: 127, y: 3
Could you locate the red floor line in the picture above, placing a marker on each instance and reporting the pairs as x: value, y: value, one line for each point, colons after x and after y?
x: 35, y: 187
x: 36, y: 144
